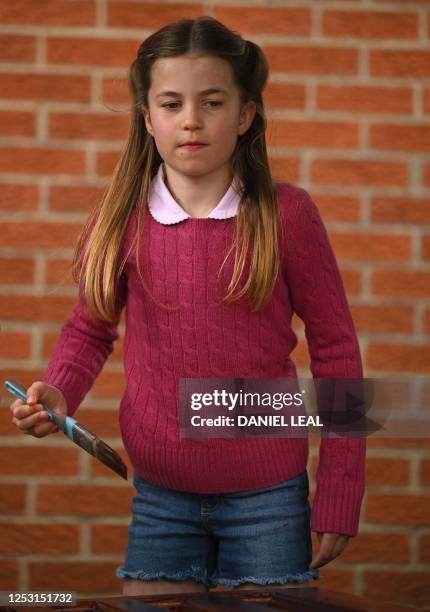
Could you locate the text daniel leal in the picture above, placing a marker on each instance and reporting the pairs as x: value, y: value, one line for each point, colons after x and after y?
x: 269, y: 420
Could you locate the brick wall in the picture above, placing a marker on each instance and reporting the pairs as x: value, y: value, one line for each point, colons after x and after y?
x: 349, y: 119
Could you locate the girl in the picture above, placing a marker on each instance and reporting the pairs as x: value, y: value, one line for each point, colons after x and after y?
x: 210, y: 258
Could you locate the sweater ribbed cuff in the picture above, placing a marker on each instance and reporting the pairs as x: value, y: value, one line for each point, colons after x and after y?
x: 336, y: 507
x: 69, y: 382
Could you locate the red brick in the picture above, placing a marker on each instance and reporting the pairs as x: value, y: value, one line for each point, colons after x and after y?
x: 400, y: 586
x: 115, y: 90
x: 108, y: 539
x: 313, y: 134
x: 83, y: 577
x: 408, y: 443
x: 45, y: 87
x: 359, y: 172
x: 49, y: 12
x: 17, y: 123
x: 425, y: 548
x: 425, y: 247
x: 269, y: 19
x: 378, y: 547
x: 25, y: 376
x: 97, y: 500
x: 39, y: 234
x: 150, y: 15
x: 352, y: 280
x: 92, y: 51
x: 284, y: 95
x: 426, y: 321
x: 426, y: 100
x: 402, y: 1
x: 406, y: 283
x: 104, y: 422
x: 396, y: 318
x: 12, y: 498
x: 27, y: 539
x: 334, y: 207
x: 410, y: 509
x: 14, y: 345
x: 59, y: 272
x: 399, y: 62
x: 19, y: 197
x: 426, y: 174
x: 106, y: 161
x: 285, y: 168
x: 370, y: 24
x: 16, y: 270
x: 29, y: 461
x: 425, y: 472
x: 400, y: 209
x: 39, y: 160
x: 387, y: 247
x: 36, y: 308
x: 398, y: 357
x: 88, y: 126
x: 7, y: 428
x: 109, y: 385
x: 387, y: 471
x: 400, y: 137
x: 74, y: 197
x: 363, y: 98
x: 336, y: 579
x: 312, y: 59
x: 16, y: 48
x: 9, y: 575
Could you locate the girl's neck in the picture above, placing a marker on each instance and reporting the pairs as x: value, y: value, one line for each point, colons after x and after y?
x: 197, y: 196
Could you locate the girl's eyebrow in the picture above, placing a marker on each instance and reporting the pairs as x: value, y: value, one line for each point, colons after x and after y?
x: 202, y: 93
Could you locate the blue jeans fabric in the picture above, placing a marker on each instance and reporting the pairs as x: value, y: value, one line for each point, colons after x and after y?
x: 260, y: 536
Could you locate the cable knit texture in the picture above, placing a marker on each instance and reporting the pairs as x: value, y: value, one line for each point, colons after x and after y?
x: 199, y: 336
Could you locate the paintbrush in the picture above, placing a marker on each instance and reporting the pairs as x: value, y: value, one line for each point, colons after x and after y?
x: 77, y: 433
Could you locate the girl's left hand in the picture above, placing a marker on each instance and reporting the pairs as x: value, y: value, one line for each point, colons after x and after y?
x: 331, y: 546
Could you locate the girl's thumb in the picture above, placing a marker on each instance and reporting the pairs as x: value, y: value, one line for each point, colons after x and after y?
x: 33, y: 393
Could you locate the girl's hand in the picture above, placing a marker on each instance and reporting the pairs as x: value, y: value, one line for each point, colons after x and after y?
x: 30, y: 417
x: 331, y: 546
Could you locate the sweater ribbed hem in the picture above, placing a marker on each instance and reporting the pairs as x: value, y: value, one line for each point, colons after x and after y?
x: 220, y: 467
x: 336, y: 507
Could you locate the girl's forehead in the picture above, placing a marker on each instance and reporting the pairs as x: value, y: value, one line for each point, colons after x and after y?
x: 205, y: 69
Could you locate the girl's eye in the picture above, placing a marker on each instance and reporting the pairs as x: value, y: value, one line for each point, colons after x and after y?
x: 173, y: 105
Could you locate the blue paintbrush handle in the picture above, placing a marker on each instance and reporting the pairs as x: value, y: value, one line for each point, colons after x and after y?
x: 65, y: 423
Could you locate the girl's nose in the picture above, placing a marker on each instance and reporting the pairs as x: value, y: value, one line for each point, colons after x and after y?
x: 191, y: 117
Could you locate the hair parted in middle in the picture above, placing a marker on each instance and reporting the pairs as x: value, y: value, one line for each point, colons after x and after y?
x: 95, y: 265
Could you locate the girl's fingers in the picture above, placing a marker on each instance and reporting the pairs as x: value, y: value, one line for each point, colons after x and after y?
x: 42, y: 429
x: 23, y: 422
x: 24, y: 411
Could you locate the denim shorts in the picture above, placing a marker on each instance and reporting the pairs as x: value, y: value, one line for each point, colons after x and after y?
x: 260, y: 536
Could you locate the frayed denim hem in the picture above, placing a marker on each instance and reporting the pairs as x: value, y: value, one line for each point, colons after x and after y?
x: 300, y: 577
x: 194, y: 573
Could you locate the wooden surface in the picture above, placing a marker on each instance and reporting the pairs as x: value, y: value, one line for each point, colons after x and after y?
x: 305, y: 599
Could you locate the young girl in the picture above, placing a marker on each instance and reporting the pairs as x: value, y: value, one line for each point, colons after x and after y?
x: 210, y: 258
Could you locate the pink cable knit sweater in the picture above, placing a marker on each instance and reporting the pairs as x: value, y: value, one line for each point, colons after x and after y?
x: 205, y: 339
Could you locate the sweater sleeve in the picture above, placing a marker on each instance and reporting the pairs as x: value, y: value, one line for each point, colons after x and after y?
x: 319, y: 299
x: 81, y: 350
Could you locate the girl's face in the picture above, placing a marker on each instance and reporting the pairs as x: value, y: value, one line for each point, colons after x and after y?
x: 194, y: 98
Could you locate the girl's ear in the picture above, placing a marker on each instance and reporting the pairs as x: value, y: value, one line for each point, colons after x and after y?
x: 247, y: 115
x: 147, y: 118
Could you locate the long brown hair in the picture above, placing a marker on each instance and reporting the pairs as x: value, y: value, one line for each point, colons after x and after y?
x: 96, y: 264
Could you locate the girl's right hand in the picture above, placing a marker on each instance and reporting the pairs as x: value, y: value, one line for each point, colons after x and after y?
x: 30, y: 417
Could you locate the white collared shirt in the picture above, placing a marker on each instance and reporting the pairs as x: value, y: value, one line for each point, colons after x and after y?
x: 166, y: 210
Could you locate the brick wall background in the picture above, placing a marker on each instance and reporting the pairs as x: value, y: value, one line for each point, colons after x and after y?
x: 349, y: 119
